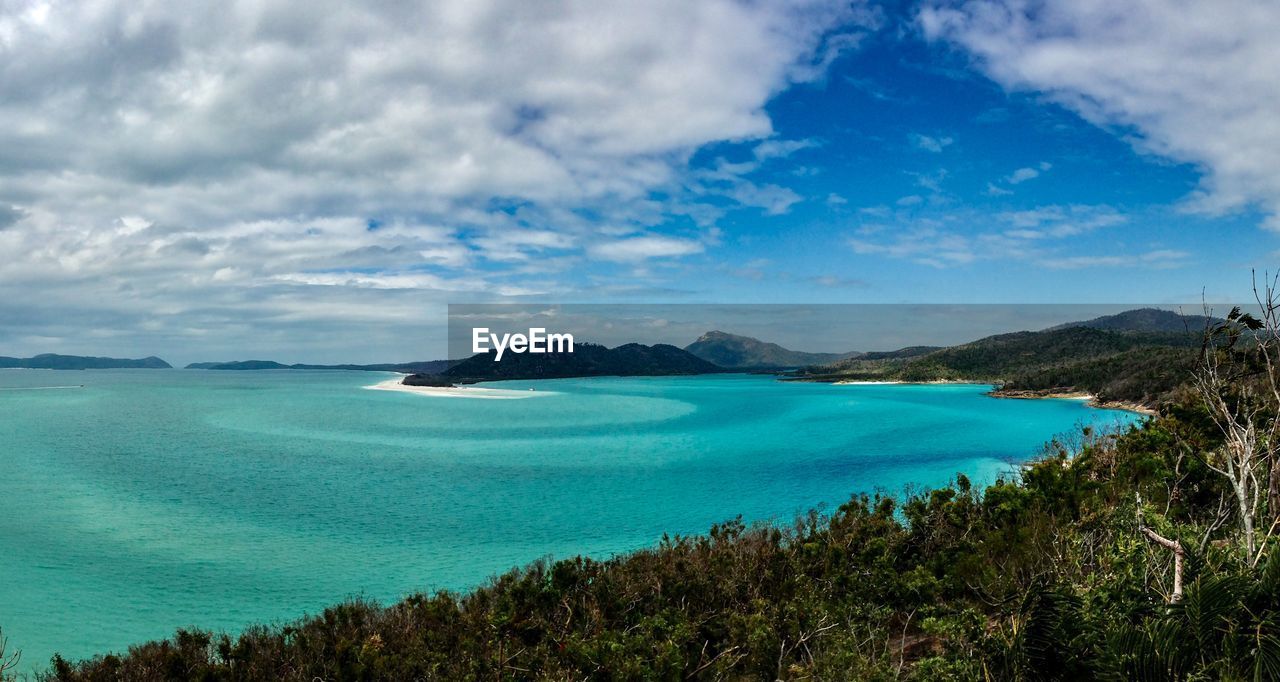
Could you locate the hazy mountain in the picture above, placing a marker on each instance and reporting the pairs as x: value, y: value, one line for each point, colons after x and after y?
x: 900, y: 354
x: 1143, y: 320
x: 426, y: 366
x: 586, y: 360
x: 730, y: 350
x: 52, y: 361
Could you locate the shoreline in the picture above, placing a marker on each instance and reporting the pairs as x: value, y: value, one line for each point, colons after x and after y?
x: 454, y: 391
x: 1090, y: 398
x: 939, y: 382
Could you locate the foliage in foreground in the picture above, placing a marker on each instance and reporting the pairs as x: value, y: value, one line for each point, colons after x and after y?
x: 1046, y: 577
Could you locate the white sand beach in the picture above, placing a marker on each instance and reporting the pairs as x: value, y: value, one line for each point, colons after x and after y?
x: 456, y: 391
x: 867, y: 383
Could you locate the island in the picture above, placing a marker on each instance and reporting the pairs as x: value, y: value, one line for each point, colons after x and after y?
x: 55, y: 361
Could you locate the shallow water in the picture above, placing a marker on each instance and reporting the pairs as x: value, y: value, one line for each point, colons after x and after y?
x: 155, y: 499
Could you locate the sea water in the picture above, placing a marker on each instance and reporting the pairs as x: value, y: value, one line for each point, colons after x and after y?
x: 135, y: 502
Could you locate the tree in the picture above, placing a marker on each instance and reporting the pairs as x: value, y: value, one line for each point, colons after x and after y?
x: 1238, y: 378
x: 8, y: 662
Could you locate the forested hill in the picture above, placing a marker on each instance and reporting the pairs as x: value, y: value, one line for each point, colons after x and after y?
x: 1145, y: 320
x: 1008, y: 355
x: 53, y: 361
x: 1114, y: 365
x: 586, y: 360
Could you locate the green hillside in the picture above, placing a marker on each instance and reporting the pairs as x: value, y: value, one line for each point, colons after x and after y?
x: 1120, y: 365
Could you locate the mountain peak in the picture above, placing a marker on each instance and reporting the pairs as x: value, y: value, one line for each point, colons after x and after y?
x: 717, y: 335
x: 743, y: 352
x: 1142, y: 320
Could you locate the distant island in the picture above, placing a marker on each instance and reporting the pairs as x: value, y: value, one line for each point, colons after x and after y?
x: 743, y: 352
x: 425, y: 367
x: 54, y: 361
x: 586, y: 360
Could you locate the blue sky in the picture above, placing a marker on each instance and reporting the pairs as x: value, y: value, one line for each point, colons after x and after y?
x: 277, y: 180
x: 906, y: 134
x: 905, y: 146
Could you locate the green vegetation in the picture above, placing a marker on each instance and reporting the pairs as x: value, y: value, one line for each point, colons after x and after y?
x: 1147, y: 375
x: 1146, y: 320
x: 1136, y: 366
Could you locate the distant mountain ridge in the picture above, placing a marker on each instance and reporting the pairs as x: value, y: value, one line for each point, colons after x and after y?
x: 1143, y: 320
x: 586, y: 360
x: 1133, y: 360
x: 55, y: 361
x: 426, y: 366
x: 744, y: 352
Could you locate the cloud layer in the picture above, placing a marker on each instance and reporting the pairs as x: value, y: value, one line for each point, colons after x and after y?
x: 245, y: 150
x: 1195, y: 82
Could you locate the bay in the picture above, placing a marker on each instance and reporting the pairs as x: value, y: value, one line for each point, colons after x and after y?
x: 135, y: 502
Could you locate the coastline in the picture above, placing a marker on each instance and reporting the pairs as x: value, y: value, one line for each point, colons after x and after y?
x: 454, y: 391
x: 1090, y: 398
x: 938, y: 382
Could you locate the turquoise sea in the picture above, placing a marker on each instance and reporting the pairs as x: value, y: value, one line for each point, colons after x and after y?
x: 152, y: 499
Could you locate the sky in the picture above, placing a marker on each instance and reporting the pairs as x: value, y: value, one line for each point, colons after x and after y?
x: 315, y: 181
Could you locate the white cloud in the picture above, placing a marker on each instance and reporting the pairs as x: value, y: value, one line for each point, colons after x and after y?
x: 634, y: 249
x: 776, y: 149
x: 259, y: 149
x: 930, y: 144
x: 926, y: 243
x: 1059, y: 221
x: 1022, y: 175
x: 773, y: 199
x: 1159, y: 259
x: 1032, y: 236
x: 1017, y: 177
x: 1197, y: 81
x: 834, y: 282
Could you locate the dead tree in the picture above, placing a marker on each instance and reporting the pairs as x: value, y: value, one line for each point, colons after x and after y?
x: 1238, y: 379
x: 1268, y: 299
x: 1175, y: 546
